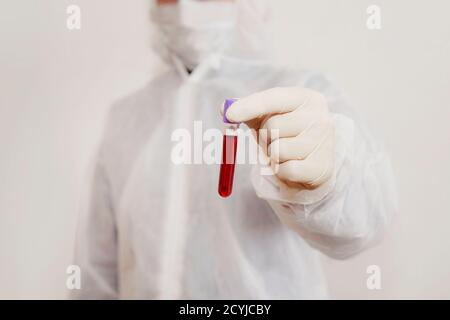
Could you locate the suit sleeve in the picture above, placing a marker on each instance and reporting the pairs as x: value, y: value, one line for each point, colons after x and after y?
x: 96, y: 241
x: 351, y: 211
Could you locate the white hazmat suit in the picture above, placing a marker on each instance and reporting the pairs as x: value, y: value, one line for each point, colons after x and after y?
x: 155, y: 229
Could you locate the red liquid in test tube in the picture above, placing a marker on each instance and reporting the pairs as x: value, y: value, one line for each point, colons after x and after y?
x: 227, y: 166
x: 229, y: 148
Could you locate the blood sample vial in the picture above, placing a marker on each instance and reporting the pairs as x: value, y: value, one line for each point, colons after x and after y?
x: 230, y: 142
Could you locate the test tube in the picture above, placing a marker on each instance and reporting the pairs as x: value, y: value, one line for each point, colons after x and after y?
x: 230, y: 141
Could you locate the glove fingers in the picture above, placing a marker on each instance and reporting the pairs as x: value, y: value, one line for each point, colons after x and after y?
x: 271, y: 101
x: 290, y: 124
x: 300, y: 146
x: 313, y: 170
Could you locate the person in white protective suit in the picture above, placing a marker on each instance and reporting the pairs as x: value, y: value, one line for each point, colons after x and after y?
x: 158, y: 230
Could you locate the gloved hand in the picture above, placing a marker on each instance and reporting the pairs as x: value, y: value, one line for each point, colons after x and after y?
x: 304, y: 147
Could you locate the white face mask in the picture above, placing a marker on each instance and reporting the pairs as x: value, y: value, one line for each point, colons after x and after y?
x: 192, y: 30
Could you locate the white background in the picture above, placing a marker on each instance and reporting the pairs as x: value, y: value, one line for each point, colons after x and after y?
x: 56, y: 86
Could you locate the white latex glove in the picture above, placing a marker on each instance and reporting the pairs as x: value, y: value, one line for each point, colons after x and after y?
x: 304, y: 148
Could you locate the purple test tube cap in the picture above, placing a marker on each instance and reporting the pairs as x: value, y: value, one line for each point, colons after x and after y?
x: 227, y: 104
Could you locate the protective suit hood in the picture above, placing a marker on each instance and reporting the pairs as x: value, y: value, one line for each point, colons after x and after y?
x: 191, y: 31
